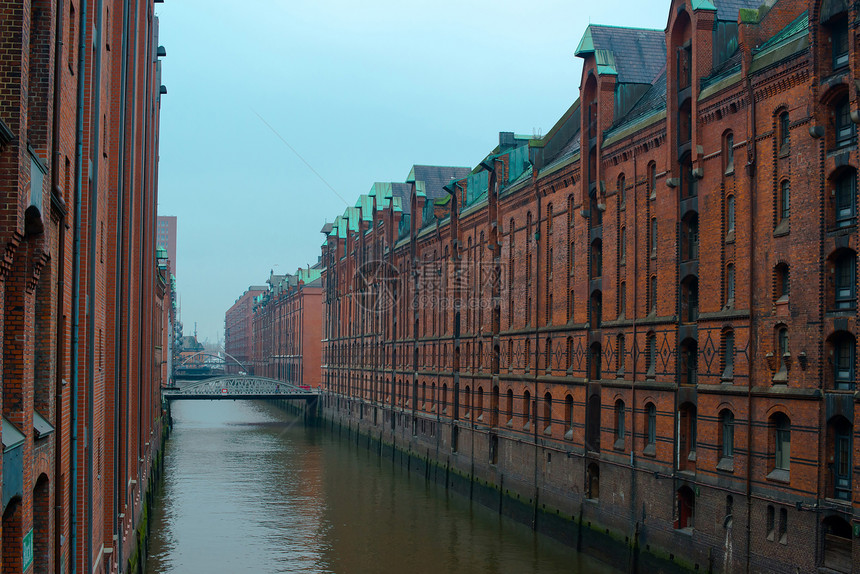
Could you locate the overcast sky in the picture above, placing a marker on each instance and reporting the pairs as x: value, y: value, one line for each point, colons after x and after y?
x: 362, y: 91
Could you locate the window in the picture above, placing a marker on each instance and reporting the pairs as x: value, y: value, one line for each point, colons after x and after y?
x: 652, y: 239
x: 842, y: 120
x: 840, y: 456
x: 622, y: 299
x: 596, y: 309
x: 784, y: 138
x: 548, y: 355
x: 652, y: 293
x: 621, y: 354
x: 619, y: 424
x: 595, y: 356
x: 783, y: 205
x: 728, y: 355
x: 510, y: 409
x: 527, y: 409
x: 650, y: 427
x: 730, y: 214
x: 652, y: 180
x: 549, y: 219
x: 70, y: 45
x: 782, y: 442
x: 547, y: 413
x: 568, y: 414
x: 844, y: 191
x: 690, y: 237
x: 569, y: 354
x: 730, y: 284
x: 842, y: 348
x: 596, y: 259
x: 729, y: 153
x: 727, y: 434
x: 686, y: 507
x: 622, y: 246
x: 781, y: 355
x: 844, y: 279
x: 688, y: 363
x: 622, y: 191
x: 781, y: 282
x: 689, y: 299
x: 651, y: 355
x: 687, y: 437
x: 839, y: 41
x: 571, y: 258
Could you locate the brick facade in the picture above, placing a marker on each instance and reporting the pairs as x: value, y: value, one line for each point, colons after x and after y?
x: 238, y: 331
x: 78, y: 173
x: 646, y: 319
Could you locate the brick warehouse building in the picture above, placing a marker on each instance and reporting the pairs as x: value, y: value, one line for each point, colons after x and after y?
x: 238, y: 330
x: 287, y: 328
x: 84, y: 302
x: 631, y: 321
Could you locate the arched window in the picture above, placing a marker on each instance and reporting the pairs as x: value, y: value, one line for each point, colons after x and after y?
x: 844, y: 198
x: 687, y: 424
x: 727, y: 434
x: 784, y: 135
x: 844, y: 269
x: 730, y: 214
x: 782, y: 354
x: 729, y: 153
x: 688, y: 364
x: 844, y: 128
x: 547, y: 413
x: 596, y: 309
x: 620, y: 433
x: 596, y: 258
x: 781, y: 283
x: 730, y: 284
x: 568, y: 415
x: 690, y: 237
x: 781, y: 440
x: 841, y: 348
x: 652, y: 180
x: 650, y: 355
x: 728, y: 355
x: 652, y: 237
x: 783, y: 201
x: 479, y: 404
x: 839, y: 447
x: 527, y: 409
x: 686, y: 507
x: 650, y: 428
x: 594, y: 360
x: 467, y: 400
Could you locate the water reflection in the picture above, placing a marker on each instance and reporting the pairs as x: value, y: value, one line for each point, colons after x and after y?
x: 248, y: 489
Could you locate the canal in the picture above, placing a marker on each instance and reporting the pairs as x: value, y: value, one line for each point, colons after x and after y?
x: 247, y: 488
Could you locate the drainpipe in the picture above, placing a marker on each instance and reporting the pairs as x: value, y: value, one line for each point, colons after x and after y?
x: 61, y: 285
x: 76, y: 284
x: 751, y: 164
x: 118, y: 513
x: 91, y: 270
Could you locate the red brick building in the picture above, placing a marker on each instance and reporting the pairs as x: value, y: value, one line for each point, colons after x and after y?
x: 287, y: 328
x: 82, y: 298
x: 645, y: 321
x: 238, y: 330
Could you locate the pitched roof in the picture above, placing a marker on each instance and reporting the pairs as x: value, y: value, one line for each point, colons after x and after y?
x: 635, y: 55
x: 728, y: 9
x: 436, y: 177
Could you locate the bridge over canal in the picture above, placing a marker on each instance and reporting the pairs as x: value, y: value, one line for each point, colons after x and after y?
x: 238, y: 387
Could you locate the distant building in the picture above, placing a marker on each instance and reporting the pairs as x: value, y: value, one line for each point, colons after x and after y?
x: 237, y: 330
x: 165, y: 236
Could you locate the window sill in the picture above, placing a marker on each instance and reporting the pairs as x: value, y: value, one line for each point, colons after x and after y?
x: 619, y: 444
x: 781, y: 228
x: 783, y: 151
x: 568, y: 435
x: 650, y: 450
x: 726, y: 465
x: 730, y: 236
x: 779, y: 475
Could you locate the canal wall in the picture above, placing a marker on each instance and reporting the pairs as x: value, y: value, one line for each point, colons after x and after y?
x: 526, y: 481
x: 136, y: 542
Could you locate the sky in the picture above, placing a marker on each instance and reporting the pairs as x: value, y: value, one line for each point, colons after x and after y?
x: 281, y: 113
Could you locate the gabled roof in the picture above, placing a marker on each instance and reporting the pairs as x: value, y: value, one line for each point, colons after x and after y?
x: 635, y: 55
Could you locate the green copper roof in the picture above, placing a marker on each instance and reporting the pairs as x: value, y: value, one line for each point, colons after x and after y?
x: 703, y: 5
x: 365, y: 205
x: 605, y: 62
x: 419, y: 189
x: 586, y: 44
